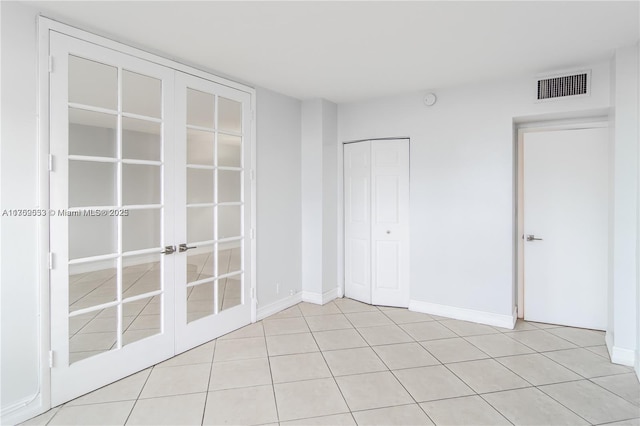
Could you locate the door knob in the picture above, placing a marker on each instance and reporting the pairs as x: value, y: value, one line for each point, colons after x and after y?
x: 169, y: 250
x: 183, y: 247
x: 533, y: 238
x: 388, y: 232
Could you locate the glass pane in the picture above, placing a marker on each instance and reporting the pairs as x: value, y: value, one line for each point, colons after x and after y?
x: 143, y: 324
x: 229, y: 260
x: 199, y: 224
x: 141, y: 94
x: 229, y: 151
x: 141, y: 184
x: 97, y: 335
x: 200, y: 301
x: 141, y: 274
x: 140, y: 139
x: 141, y: 229
x: 230, y: 115
x: 200, y: 108
x: 92, y: 236
x: 199, y: 186
x: 92, y: 284
x: 92, y: 133
x: 92, y: 83
x: 230, y: 292
x: 200, y: 147
x: 229, y: 221
x: 200, y: 264
x: 92, y: 183
x: 229, y: 186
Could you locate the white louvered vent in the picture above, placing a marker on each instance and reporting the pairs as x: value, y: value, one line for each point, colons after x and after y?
x: 562, y: 86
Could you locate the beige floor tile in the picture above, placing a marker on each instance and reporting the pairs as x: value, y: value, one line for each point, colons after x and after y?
x: 630, y: 422
x: 390, y: 416
x: 309, y: 398
x: 453, y: 350
x: 544, y: 326
x: 339, y: 339
x: 520, y: 326
x: 538, y: 369
x: 368, y: 319
x: 286, y: 344
x: 464, y: 411
x: 405, y: 355
x: 466, y: 328
x: 240, y: 373
x: 353, y: 361
x: 169, y: 410
x: 251, y: 330
x: 203, y: 354
x: 245, y: 406
x: 347, y: 306
x: 430, y: 383
x: 373, y: 390
x: 335, y: 420
x: 384, y: 335
x: 123, y: 390
x: 235, y: 349
x: 497, y: 345
x: 290, y: 368
x: 328, y: 322
x: 579, y: 336
x: 623, y: 385
x: 586, y: 363
x: 42, y: 419
x: 111, y: 413
x: 600, y: 350
x: 541, y: 340
x: 530, y: 406
x: 311, y: 309
x: 285, y: 326
x: 292, y: 312
x: 428, y: 330
x: 177, y: 380
x: 591, y: 402
x: 405, y: 316
x: 487, y: 375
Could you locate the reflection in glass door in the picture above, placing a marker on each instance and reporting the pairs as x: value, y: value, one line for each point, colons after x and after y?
x: 112, y: 286
x: 212, y: 295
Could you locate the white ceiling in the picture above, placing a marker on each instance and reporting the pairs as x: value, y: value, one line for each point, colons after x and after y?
x: 350, y: 51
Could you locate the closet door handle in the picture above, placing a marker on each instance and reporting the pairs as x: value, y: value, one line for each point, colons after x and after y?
x: 183, y: 247
x: 169, y: 250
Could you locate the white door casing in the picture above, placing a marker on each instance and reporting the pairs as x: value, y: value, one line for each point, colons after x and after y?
x: 376, y: 191
x: 565, y: 203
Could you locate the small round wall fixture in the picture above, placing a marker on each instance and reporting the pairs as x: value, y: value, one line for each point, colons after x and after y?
x: 430, y: 99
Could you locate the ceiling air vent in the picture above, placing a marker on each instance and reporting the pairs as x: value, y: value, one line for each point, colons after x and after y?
x: 562, y: 86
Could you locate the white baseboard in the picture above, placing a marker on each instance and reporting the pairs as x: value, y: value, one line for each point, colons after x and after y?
x: 22, y: 410
x: 320, y: 299
x: 280, y: 305
x: 488, y: 318
x: 619, y: 355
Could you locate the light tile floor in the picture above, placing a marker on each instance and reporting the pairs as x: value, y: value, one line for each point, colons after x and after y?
x: 348, y: 363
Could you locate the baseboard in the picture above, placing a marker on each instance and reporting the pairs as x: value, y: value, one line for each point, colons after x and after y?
x: 280, y: 305
x: 320, y: 299
x: 482, y: 317
x: 22, y: 411
x: 619, y: 355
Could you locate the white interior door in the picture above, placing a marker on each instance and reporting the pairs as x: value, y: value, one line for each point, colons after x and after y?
x: 213, y: 287
x: 565, y: 227
x: 376, y: 179
x: 112, y: 294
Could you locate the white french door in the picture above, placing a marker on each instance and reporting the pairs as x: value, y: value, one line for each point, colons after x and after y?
x: 150, y: 201
x: 376, y: 191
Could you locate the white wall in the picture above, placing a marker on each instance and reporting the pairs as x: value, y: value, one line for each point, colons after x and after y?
x: 462, y: 177
x: 330, y: 212
x: 278, y: 197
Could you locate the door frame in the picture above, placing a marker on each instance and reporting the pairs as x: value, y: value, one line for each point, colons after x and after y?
x: 41, y: 400
x: 522, y: 129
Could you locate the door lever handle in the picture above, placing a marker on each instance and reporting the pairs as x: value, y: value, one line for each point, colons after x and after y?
x: 169, y: 250
x: 533, y: 238
x: 183, y: 247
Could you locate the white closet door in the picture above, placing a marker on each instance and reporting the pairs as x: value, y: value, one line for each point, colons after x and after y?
x: 112, y: 294
x: 376, y: 188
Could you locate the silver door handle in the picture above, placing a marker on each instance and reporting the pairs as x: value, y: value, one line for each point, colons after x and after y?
x: 533, y: 238
x: 183, y: 247
x: 169, y: 250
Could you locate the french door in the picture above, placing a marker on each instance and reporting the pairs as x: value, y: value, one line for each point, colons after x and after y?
x: 149, y: 184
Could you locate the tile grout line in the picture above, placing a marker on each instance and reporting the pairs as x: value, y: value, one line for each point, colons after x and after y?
x: 206, y: 394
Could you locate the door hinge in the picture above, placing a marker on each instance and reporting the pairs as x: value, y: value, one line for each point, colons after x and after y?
x: 50, y: 359
x: 253, y: 293
x: 50, y: 63
x: 50, y: 162
x: 252, y: 174
x: 50, y: 260
x: 253, y: 115
x: 253, y: 233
